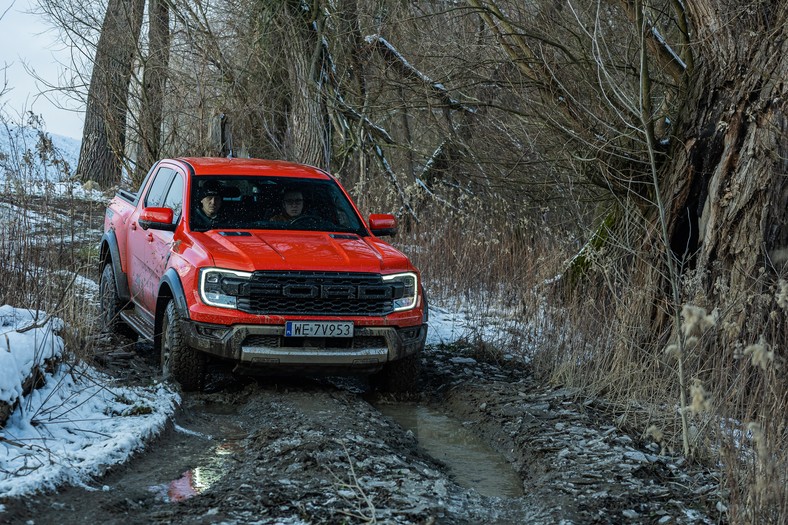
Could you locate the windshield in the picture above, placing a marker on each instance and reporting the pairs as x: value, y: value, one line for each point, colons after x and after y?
x: 271, y: 203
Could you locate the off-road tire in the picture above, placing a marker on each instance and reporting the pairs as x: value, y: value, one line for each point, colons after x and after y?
x: 179, y: 362
x: 110, y: 305
x: 401, y: 376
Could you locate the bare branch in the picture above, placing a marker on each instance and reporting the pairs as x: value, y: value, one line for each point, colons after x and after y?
x: 396, y: 60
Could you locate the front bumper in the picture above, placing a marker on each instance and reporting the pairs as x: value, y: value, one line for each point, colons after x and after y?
x: 257, y: 348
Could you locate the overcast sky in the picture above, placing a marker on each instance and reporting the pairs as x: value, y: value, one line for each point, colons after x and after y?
x: 25, y: 40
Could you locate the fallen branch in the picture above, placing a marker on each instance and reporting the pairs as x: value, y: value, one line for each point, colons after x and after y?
x: 395, y: 59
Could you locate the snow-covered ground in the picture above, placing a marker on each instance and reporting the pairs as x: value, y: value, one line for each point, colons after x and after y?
x: 15, y: 140
x: 77, y: 424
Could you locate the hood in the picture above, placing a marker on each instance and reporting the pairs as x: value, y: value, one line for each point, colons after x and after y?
x: 300, y: 251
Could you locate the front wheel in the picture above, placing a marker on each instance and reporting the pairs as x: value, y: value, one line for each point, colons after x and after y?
x: 179, y: 362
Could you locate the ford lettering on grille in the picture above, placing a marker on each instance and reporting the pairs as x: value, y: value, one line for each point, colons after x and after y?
x: 300, y: 291
x: 346, y: 291
x: 317, y: 293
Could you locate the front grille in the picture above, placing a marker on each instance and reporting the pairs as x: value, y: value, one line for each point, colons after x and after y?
x: 318, y: 293
x: 262, y: 340
x: 369, y: 342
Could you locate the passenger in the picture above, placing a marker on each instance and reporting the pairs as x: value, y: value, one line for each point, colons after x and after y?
x: 292, y: 206
x: 209, y: 214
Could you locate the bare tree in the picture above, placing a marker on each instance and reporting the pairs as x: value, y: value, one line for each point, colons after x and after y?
x: 154, y: 78
x: 306, y: 138
x: 104, y: 134
x: 727, y: 172
x: 704, y: 105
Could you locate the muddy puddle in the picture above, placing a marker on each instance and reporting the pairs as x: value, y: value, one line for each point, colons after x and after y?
x: 200, y: 478
x: 471, y: 461
x: 204, y: 458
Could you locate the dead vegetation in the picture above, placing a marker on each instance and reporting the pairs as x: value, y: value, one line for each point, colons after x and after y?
x: 48, y: 238
x: 610, y: 175
x: 575, y: 337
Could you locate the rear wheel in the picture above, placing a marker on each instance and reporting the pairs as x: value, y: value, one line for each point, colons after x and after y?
x: 110, y: 304
x: 179, y: 362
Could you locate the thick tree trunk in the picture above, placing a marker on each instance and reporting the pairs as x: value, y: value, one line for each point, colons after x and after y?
x: 104, y: 134
x: 727, y: 186
x: 306, y: 138
x: 154, y: 79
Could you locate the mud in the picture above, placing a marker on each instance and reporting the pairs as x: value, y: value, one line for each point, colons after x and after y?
x: 471, y: 462
x: 319, y: 451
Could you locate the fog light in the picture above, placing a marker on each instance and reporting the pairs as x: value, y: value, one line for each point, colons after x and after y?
x: 215, y: 332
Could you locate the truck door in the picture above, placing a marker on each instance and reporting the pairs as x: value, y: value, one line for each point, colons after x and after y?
x: 150, y: 249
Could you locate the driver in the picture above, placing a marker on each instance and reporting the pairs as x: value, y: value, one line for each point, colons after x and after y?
x: 292, y: 206
x: 209, y: 214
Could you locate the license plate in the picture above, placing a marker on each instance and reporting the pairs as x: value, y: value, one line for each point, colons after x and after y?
x: 318, y: 329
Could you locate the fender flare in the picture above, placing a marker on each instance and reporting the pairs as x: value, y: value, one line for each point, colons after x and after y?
x: 109, y: 253
x: 172, y: 281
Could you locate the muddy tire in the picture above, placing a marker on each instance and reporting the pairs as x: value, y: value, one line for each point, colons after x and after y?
x: 110, y: 305
x: 179, y: 362
x: 401, y: 376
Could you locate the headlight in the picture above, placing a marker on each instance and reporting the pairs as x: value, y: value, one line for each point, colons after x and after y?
x: 410, y: 292
x: 220, y: 287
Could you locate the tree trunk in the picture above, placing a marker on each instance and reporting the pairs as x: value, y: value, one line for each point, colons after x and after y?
x: 104, y: 134
x: 726, y: 187
x: 154, y: 79
x: 306, y: 138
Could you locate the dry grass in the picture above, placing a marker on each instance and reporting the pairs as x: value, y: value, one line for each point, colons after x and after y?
x: 496, y: 270
x: 599, y: 337
x: 46, y: 245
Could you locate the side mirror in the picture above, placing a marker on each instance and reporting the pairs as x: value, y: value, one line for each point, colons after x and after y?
x: 157, y: 219
x: 382, y: 224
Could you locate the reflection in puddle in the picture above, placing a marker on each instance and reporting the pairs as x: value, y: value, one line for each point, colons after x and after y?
x: 198, y: 479
x: 473, y: 464
x: 184, y: 487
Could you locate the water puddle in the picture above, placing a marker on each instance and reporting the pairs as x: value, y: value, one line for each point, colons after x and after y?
x: 198, y: 479
x: 473, y: 464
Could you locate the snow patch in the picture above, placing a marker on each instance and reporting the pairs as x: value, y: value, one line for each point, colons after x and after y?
x: 27, y: 340
x: 78, y: 423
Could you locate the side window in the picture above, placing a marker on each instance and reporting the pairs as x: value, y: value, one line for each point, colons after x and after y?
x: 174, y: 198
x: 158, y: 188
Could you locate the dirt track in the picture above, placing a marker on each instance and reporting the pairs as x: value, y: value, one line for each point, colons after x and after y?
x: 318, y: 451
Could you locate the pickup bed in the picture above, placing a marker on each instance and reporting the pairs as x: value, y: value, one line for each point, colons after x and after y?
x: 266, y: 265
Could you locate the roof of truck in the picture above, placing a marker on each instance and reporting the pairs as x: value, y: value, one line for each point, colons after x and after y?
x: 262, y: 167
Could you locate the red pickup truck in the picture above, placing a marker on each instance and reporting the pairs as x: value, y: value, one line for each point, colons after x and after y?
x: 265, y: 264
